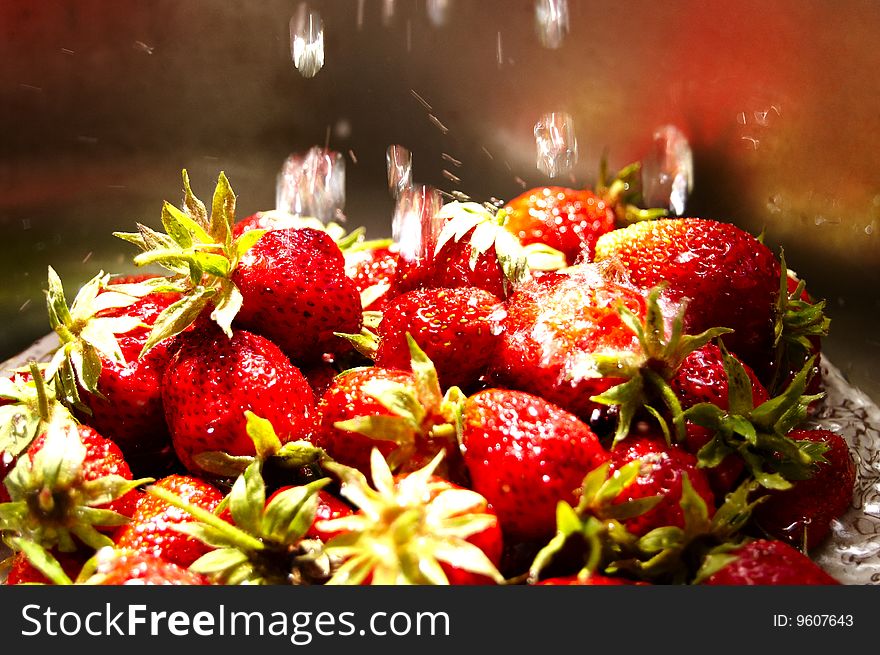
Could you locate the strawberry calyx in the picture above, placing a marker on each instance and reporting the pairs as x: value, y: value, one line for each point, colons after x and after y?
x: 31, y: 407
x: 648, y: 373
x: 406, y: 527
x: 485, y: 224
x: 86, y: 337
x: 201, y: 253
x: 759, y: 434
x: 265, y: 543
x: 623, y: 193
x: 366, y: 342
x: 596, y: 521
x: 268, y: 446
x: 52, y: 503
x: 798, y: 322
x: 423, y: 418
x: 670, y: 554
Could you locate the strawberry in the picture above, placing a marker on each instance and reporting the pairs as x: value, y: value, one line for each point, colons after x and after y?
x: 259, y: 541
x: 590, y: 580
x: 329, y: 507
x: 213, y: 379
x: 569, y: 220
x: 22, y: 571
x: 286, y: 284
x: 121, y: 567
x: 414, y: 528
x: 295, y: 292
x: 70, y: 483
x: 455, y: 328
x: 762, y: 562
x: 402, y: 414
x: 525, y: 455
x: 729, y: 278
x: 153, y: 527
x: 803, y: 515
x: 373, y: 271
x: 663, y: 469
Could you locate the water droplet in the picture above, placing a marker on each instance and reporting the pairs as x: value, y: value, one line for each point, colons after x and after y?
x: 556, y: 142
x: 551, y: 22
x: 307, y: 41
x: 438, y: 11
x: 399, y: 163
x: 499, y: 51
x: 312, y: 184
x: 452, y: 177
x: 415, y: 226
x: 869, y: 229
x: 143, y: 47
x: 387, y: 12
x: 668, y: 170
x: 440, y: 126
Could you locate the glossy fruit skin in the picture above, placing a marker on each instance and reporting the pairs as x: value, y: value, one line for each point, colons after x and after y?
x: 329, y: 507
x: 554, y: 326
x: 131, y: 411
x: 367, y: 268
x: 22, y: 571
x: 213, y: 379
x: 296, y: 293
x: 569, y: 220
x: 764, y: 562
x: 103, y: 457
x: 803, y: 515
x: 730, y: 278
x: 451, y: 268
x: 524, y: 455
x: 594, y: 580
x: 701, y: 379
x: 141, y: 568
x: 346, y: 399
x: 662, y: 474
x: 151, y: 530
x: 455, y: 328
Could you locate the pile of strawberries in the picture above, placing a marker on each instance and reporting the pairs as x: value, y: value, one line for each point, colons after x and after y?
x: 559, y: 391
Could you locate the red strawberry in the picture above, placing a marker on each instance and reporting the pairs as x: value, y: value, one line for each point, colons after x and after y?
x: 729, y: 278
x: 22, y: 571
x: 213, y: 379
x: 455, y: 327
x: 662, y: 473
x: 152, y: 527
x: 804, y: 514
x: 701, y: 378
x: 525, y: 455
x: 555, y: 329
x: 296, y: 293
x: 402, y: 414
x: 286, y: 284
x: 320, y: 377
x: 81, y: 482
x: 591, y: 580
x: 121, y: 567
x: 373, y: 271
x: 443, y: 533
x: 569, y: 220
x: 329, y: 507
x: 763, y: 562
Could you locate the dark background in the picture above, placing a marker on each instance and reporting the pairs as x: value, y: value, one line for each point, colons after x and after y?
x: 102, y: 104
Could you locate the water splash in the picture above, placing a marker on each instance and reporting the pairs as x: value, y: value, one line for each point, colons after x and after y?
x: 556, y: 143
x: 415, y: 226
x: 398, y: 161
x: 438, y: 11
x: 551, y: 22
x: 307, y: 41
x: 668, y: 170
x: 312, y: 184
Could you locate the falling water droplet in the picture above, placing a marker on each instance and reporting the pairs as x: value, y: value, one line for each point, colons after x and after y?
x: 438, y: 11
x: 307, y: 41
x: 387, y: 12
x: 398, y: 160
x: 415, y: 226
x: 556, y: 142
x: 312, y: 184
x: 551, y: 22
x: 668, y: 171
